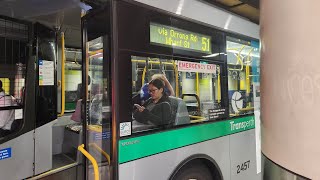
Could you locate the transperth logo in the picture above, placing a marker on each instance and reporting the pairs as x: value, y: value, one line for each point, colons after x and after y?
x: 241, y: 125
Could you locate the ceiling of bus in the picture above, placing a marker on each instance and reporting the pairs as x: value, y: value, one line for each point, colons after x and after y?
x: 245, y: 8
x: 65, y: 14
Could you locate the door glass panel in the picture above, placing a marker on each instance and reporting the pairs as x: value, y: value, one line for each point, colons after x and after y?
x: 98, y: 108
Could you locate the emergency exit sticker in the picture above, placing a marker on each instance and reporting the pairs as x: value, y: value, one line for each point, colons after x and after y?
x: 185, y: 66
x: 5, y: 153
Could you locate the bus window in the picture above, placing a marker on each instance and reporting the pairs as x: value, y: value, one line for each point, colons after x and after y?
x: 12, y: 83
x: 240, y: 56
x: 72, y: 79
x: 188, y: 92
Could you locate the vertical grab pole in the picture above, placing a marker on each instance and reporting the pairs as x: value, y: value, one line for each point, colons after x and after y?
x: 63, y: 87
x: 84, y: 91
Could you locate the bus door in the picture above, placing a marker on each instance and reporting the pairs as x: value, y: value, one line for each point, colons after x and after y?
x: 96, y: 99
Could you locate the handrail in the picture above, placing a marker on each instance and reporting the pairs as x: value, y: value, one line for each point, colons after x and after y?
x: 95, y: 128
x: 246, y: 109
x: 198, y: 100
x: 92, y: 160
x: 92, y: 53
x: 238, y: 56
x: 177, y: 78
x: 219, y: 88
x: 106, y: 155
x: 247, y: 75
x: 197, y: 119
x: 151, y: 62
x: 156, y: 62
x: 247, y: 79
x: 143, y: 76
x: 197, y: 85
x: 63, y: 92
x: 53, y: 171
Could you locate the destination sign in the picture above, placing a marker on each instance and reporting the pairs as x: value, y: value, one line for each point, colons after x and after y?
x: 178, y: 38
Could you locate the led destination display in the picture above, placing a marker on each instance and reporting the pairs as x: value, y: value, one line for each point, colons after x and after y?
x: 178, y: 38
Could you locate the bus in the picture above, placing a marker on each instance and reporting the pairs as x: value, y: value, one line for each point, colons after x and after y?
x: 202, y: 128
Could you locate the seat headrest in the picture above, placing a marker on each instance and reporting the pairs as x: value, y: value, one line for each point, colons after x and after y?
x: 179, y: 111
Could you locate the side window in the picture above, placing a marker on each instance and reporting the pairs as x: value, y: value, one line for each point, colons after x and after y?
x: 12, y: 85
x: 168, y: 93
x: 242, y: 59
x: 72, y: 79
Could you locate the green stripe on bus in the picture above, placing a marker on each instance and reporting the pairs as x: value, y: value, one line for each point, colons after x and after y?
x: 139, y: 147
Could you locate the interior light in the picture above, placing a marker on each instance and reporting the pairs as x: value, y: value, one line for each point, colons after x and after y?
x: 244, y: 53
x: 180, y: 6
x: 212, y: 55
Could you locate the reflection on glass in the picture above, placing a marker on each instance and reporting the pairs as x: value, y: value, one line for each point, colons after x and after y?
x: 191, y: 89
x: 241, y: 56
x: 12, y: 83
x: 98, y: 105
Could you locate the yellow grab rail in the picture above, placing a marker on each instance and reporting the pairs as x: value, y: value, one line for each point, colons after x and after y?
x: 197, y: 84
x: 63, y: 91
x: 219, y: 87
x: 106, y: 155
x: 143, y: 76
x: 177, y: 78
x: 197, y: 119
x: 151, y: 62
x: 158, y: 62
x: 246, y: 109
x: 91, y: 53
x: 247, y: 74
x: 95, y: 128
x: 238, y: 56
x: 92, y: 160
x: 247, y: 79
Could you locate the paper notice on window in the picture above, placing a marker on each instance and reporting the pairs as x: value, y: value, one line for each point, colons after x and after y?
x: 18, y: 114
x: 46, y: 73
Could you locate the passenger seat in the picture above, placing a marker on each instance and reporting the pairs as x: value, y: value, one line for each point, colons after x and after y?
x: 179, y: 111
